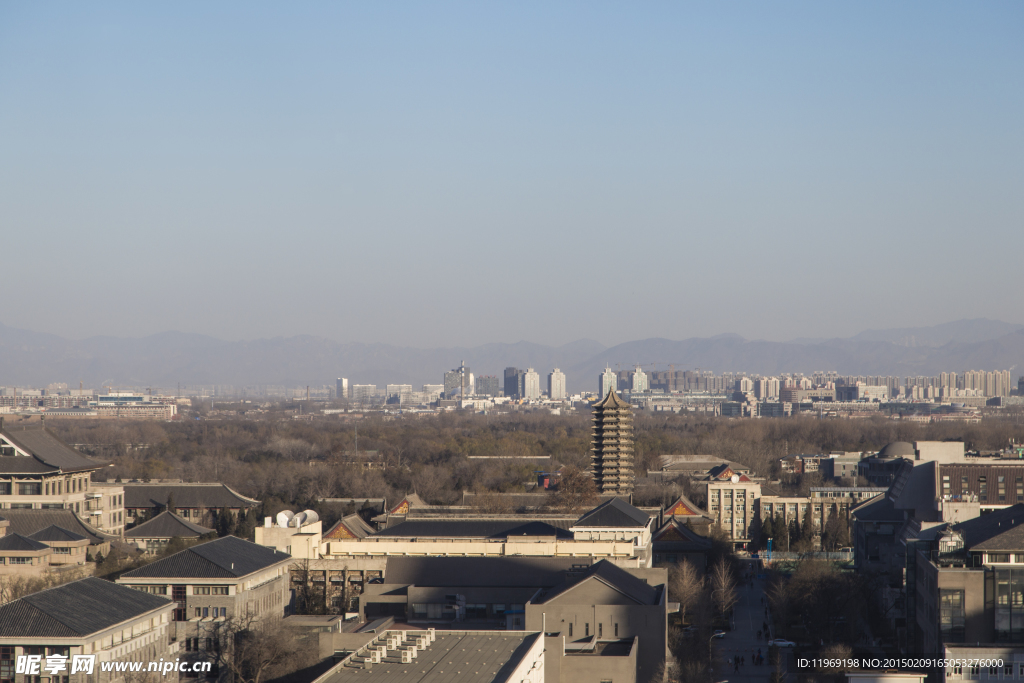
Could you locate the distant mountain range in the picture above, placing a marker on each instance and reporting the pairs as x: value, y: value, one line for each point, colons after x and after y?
x: 163, y: 360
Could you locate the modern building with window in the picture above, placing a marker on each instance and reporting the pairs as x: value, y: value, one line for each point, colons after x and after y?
x: 38, y: 471
x: 556, y: 385
x: 213, y: 581
x: 531, y: 385
x: 89, y: 617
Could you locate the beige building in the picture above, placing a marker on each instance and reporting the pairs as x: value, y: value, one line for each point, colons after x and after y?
x: 732, y: 502
x: 40, y: 472
x: 91, y: 617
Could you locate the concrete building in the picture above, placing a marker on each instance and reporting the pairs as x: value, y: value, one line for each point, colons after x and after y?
x: 458, y: 382
x: 213, y: 581
x: 424, y: 656
x: 40, y: 472
x: 531, y: 385
x: 606, y: 382
x: 513, y: 382
x: 93, y: 618
x: 341, y: 388
x: 487, y: 385
x: 612, y: 445
x: 556, y: 385
x: 732, y: 502
x: 639, y: 381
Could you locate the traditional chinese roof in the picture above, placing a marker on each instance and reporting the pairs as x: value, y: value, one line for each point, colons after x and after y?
x: 75, y: 609
x: 349, y: 527
x: 614, y: 513
x: 227, y: 557
x: 212, y: 496
x: 684, y: 507
x: 723, y: 473
x: 608, y: 574
x: 611, y: 400
x: 40, y: 452
x: 29, y: 522
x: 56, y: 534
x: 403, y: 506
x: 19, y: 543
x: 167, y: 525
x: 674, y: 535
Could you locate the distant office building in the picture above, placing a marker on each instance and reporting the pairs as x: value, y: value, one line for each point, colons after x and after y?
x: 638, y: 381
x: 612, y: 450
x: 556, y: 385
x: 434, y: 390
x: 487, y: 385
x: 606, y: 382
x: 342, y: 387
x: 364, y: 393
x: 531, y: 385
x: 513, y: 382
x: 458, y: 382
x: 745, y: 385
x: 766, y: 388
x: 399, y: 391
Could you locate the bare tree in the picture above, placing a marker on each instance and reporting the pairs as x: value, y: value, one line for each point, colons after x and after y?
x: 723, y: 587
x: 250, y: 648
x: 576, y: 490
x: 684, y: 586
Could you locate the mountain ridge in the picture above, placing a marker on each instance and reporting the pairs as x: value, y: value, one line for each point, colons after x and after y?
x: 164, y: 359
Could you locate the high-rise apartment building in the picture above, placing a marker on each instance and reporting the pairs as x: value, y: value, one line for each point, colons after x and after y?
x: 487, y: 385
x: 612, y: 445
x: 513, y: 382
x: 342, y: 388
x: 606, y: 382
x: 556, y: 385
x: 399, y: 391
x: 638, y: 381
x: 458, y: 382
x: 531, y: 385
x: 364, y: 393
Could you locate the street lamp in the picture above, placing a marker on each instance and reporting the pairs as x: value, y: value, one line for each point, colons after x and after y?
x: 711, y: 659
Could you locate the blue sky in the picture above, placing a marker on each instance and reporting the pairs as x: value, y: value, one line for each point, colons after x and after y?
x: 449, y: 174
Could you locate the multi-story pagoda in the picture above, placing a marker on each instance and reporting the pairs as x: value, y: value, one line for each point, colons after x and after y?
x: 612, y: 445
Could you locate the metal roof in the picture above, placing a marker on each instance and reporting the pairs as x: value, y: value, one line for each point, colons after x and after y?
x: 614, y: 513
x: 75, y: 609
x: 211, y: 496
x: 48, y: 453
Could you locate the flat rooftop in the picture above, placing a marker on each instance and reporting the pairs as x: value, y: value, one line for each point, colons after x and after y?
x: 453, y: 657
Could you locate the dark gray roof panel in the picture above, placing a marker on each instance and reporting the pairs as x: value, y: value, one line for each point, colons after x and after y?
x: 75, y: 609
x: 878, y: 509
x: 48, y: 449
x: 997, y: 530
x: 54, y: 533
x: 167, y: 525
x: 471, y: 528
x: 509, y: 572
x: 224, y: 558
x: 210, y: 496
x: 614, y: 513
x: 29, y: 522
x: 17, y: 542
x: 604, y: 571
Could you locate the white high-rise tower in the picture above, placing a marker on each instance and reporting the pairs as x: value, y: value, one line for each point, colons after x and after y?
x: 556, y: 385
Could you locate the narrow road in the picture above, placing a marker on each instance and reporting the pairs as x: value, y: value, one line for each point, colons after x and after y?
x: 741, y: 641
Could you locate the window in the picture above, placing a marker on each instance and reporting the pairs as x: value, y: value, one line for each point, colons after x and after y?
x: 616, y: 630
x: 209, y: 590
x: 19, y: 560
x: 600, y: 630
x: 945, y: 485
x: 983, y: 488
x: 7, y: 664
x: 1001, y: 488
x: 963, y: 485
x: 30, y: 489
x: 570, y: 629
x: 1020, y: 489
x: 998, y: 557
x: 62, y: 551
x: 951, y: 615
x: 586, y: 630
x: 1008, y: 671
x: 206, y: 611
x: 5, y: 488
x: 1009, y: 605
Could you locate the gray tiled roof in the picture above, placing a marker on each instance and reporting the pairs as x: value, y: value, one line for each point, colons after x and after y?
x: 167, y: 525
x: 49, y: 454
x: 28, y: 522
x: 210, y: 496
x: 227, y: 557
x: 17, y: 542
x: 54, y: 533
x: 472, y: 528
x: 74, y: 609
x: 614, y: 513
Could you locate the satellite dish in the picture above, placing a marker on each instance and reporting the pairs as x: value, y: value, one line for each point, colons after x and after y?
x: 311, y: 517
x: 735, y: 478
x: 284, y: 517
x: 298, y: 520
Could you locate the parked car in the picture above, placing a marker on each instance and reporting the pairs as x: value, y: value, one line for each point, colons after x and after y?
x: 781, y: 642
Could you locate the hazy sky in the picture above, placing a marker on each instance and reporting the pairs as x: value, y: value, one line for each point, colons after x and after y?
x: 457, y: 173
